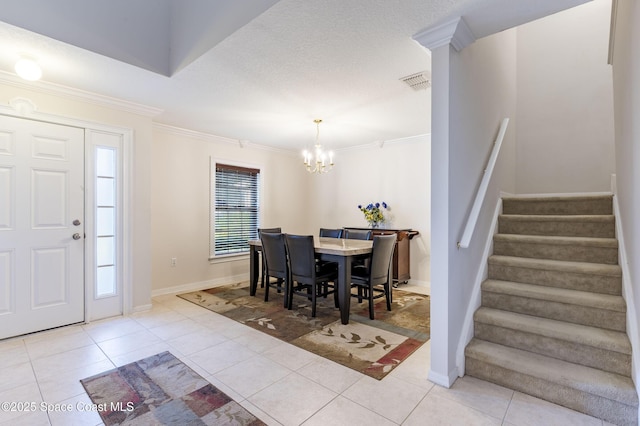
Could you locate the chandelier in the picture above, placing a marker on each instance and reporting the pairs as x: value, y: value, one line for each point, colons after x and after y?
x: 316, y: 161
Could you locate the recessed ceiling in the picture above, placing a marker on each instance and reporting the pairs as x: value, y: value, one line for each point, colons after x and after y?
x: 162, y: 36
x: 252, y: 70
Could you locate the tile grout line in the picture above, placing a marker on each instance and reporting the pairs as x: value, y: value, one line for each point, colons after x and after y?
x: 504, y: 417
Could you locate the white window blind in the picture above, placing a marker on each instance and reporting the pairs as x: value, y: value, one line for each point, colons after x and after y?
x: 236, y: 209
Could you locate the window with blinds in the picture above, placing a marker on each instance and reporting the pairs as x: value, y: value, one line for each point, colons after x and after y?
x: 235, y: 209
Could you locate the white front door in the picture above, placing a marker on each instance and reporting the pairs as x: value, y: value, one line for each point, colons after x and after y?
x: 41, y: 226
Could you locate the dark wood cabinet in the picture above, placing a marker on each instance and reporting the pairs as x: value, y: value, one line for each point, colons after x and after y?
x: 402, y: 254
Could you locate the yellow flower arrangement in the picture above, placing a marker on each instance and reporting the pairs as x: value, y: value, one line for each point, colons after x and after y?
x: 373, y: 213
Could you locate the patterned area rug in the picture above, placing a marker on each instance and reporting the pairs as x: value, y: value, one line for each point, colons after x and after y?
x: 371, y: 347
x: 161, y: 390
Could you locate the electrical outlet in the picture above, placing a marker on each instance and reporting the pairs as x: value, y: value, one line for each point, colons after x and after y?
x: 174, y: 262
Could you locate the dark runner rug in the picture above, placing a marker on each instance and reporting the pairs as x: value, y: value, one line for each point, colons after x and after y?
x: 373, y: 348
x: 161, y: 390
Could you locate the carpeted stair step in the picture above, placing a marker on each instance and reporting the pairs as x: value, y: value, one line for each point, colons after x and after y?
x: 594, y: 226
x: 591, y: 346
x: 552, y: 322
x: 608, y: 396
x: 581, y: 205
x: 577, y: 249
x: 579, y: 307
x: 598, y: 278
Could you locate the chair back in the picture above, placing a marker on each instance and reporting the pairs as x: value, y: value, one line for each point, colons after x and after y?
x: 275, y: 254
x: 357, y: 234
x: 331, y: 233
x: 302, y: 260
x: 269, y: 231
x: 381, y: 257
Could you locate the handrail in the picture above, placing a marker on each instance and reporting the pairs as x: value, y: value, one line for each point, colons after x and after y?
x: 482, y: 190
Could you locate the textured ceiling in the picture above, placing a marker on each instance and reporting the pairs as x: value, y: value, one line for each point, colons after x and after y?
x: 253, y: 70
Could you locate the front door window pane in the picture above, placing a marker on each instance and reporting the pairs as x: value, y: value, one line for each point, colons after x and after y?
x: 105, y: 280
x: 105, y: 222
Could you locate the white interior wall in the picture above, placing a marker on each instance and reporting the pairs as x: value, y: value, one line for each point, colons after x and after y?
x: 292, y: 199
x: 626, y: 81
x: 396, y: 172
x: 565, y: 102
x: 180, y: 205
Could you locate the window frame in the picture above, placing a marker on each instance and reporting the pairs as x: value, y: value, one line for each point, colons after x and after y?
x: 231, y: 165
x: 98, y: 306
x: 115, y: 234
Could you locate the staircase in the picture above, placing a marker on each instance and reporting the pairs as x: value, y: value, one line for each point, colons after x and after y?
x: 552, y: 321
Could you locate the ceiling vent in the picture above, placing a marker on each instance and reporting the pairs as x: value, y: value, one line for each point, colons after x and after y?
x: 418, y: 81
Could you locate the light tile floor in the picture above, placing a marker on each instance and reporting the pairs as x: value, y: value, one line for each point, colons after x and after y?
x: 279, y: 383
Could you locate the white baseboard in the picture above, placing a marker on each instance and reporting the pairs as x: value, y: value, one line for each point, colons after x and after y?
x: 441, y: 379
x: 202, y: 285
x: 424, y: 286
x: 141, y: 308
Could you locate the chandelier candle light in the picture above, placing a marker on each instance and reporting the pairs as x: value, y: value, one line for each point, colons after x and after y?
x: 315, y: 161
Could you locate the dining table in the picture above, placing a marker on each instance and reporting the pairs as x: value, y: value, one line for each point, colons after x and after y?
x: 339, y: 250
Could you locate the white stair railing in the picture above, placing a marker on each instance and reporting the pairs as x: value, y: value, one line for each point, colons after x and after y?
x: 482, y: 190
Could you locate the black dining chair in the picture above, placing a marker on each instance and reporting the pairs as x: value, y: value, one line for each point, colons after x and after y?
x: 331, y: 233
x: 373, y: 279
x: 276, y: 264
x: 357, y: 234
x: 266, y: 231
x: 328, y: 233
x: 306, y: 276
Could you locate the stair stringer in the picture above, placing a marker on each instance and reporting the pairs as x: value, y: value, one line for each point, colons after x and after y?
x: 627, y: 293
x: 476, y: 296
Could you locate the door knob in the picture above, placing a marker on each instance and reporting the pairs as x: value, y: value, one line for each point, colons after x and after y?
x: 76, y: 222
x: 76, y: 236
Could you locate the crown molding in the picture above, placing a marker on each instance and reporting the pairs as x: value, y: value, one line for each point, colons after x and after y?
x: 422, y: 138
x: 455, y: 32
x: 77, y: 94
x: 208, y: 137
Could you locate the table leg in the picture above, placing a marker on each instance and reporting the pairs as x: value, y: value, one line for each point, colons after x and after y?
x: 344, y: 287
x: 253, y: 270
